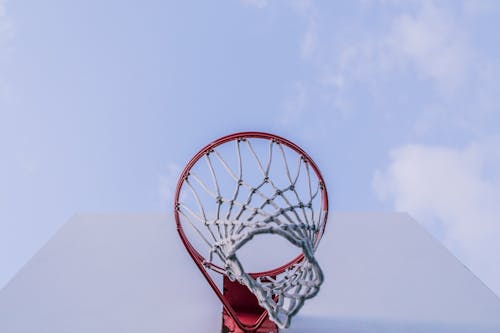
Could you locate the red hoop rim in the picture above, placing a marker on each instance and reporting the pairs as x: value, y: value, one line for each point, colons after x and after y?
x: 197, y: 257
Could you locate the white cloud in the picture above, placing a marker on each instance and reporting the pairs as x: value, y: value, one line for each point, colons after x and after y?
x: 2, y: 9
x: 434, y: 43
x: 167, y: 186
x: 427, y: 40
x: 29, y: 163
x: 425, y: 65
x: 309, y: 43
x: 293, y: 109
x: 6, y: 33
x: 424, y: 58
x: 256, y: 3
x: 455, y: 193
x: 5, y: 23
x: 480, y: 6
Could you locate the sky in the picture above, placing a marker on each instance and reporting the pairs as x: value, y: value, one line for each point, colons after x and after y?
x: 103, y: 102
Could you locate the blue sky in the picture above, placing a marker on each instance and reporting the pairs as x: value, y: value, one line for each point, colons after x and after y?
x: 103, y: 102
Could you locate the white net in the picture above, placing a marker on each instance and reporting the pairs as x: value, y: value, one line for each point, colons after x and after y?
x: 227, y: 201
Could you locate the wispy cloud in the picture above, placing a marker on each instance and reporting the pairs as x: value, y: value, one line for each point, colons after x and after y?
x: 309, y: 43
x: 475, y: 7
x: 6, y: 32
x: 424, y: 56
x: 167, y: 185
x: 434, y: 43
x: 455, y: 193
x: 427, y: 41
x: 421, y: 63
x: 5, y: 23
x: 256, y: 3
x: 293, y: 108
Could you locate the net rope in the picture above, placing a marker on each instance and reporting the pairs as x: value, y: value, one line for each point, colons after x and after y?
x: 237, y: 218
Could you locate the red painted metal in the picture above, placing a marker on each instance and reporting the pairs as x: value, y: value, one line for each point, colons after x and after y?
x: 235, y: 313
x: 249, y: 312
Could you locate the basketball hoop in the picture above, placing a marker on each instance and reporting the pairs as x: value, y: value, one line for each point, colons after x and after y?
x: 240, y: 186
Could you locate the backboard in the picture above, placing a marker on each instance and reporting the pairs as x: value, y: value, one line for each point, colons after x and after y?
x: 130, y: 273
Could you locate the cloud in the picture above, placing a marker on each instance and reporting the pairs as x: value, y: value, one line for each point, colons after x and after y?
x: 6, y: 32
x: 475, y: 7
x: 293, y: 109
x: 167, y: 186
x: 2, y: 9
x: 430, y: 73
x: 454, y: 193
x: 309, y: 44
x: 28, y: 163
x: 5, y: 23
x: 424, y: 60
x: 256, y: 3
x: 434, y: 43
x: 426, y: 40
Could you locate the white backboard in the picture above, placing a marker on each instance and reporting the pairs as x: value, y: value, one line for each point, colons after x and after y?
x: 130, y: 273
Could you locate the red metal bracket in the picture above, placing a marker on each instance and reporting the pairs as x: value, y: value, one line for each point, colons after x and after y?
x: 251, y: 317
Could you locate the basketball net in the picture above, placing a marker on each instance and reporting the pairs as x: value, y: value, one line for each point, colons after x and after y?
x: 225, y: 215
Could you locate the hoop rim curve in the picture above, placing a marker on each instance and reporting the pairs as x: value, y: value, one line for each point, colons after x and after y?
x: 196, y: 256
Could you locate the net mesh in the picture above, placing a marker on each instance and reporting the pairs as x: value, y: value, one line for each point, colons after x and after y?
x: 226, y: 208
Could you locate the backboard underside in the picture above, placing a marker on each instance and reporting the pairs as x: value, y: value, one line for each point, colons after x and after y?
x: 130, y: 273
